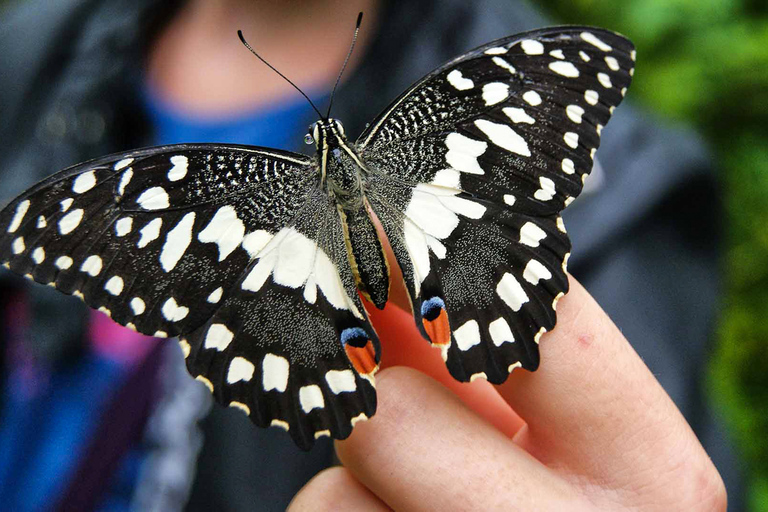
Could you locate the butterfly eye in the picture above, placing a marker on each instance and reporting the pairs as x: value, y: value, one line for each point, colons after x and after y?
x: 339, y: 126
x: 308, y: 139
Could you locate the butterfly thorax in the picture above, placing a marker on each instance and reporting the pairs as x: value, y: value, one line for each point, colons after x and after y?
x: 341, y: 167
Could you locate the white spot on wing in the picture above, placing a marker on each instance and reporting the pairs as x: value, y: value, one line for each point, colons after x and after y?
x: 572, y: 139
x: 70, y: 221
x: 531, y: 234
x: 456, y: 79
x: 584, y: 56
x: 509, y: 199
x: 66, y: 203
x: 496, y: 50
x: 91, y: 265
x: 593, y: 40
x: 568, y: 166
x: 591, y: 96
x: 532, y: 98
x: 535, y: 271
x: 155, y: 198
x: 281, y: 424
x: 176, y: 242
x: 500, y: 332
x: 275, y: 373
x: 518, y: 115
x: 123, y: 226
x: 41, y: 222
x: 511, y: 292
x: 240, y: 369
x: 173, y: 312
x: 84, y: 182
x: 604, y: 80
x: 124, y: 180
x: 468, y: 335
x: 241, y: 406
x: 504, y: 136
x: 38, y: 255
x: 566, y: 69
x: 137, y: 306
x: 341, y: 381
x: 215, y: 295
x: 547, y: 190
x: 574, y: 113
x: 291, y: 258
x: 63, y: 262
x: 558, y: 54
x: 255, y: 241
x: 311, y: 397
x: 495, y: 92
x: 179, y: 169
x: 463, y: 152
x: 18, y: 216
x: 218, y: 337
x: 114, y: 285
x: 612, y: 62
x: 504, y: 64
x: 448, y: 178
x: 532, y: 47
x: 149, y: 232
x: 225, y: 229
x: 125, y: 162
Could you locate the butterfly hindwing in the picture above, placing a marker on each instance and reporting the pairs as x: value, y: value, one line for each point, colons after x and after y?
x: 506, y: 136
x: 306, y: 359
x: 169, y: 241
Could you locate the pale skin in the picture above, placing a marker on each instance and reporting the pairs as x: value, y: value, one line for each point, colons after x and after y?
x: 592, y: 429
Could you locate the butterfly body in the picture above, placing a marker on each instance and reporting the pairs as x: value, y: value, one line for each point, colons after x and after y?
x: 254, y: 257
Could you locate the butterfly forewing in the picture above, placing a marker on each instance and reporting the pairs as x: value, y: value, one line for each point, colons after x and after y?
x: 505, y: 137
x: 226, y: 246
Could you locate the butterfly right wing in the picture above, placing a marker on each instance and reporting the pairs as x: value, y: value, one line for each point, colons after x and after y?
x: 173, y: 241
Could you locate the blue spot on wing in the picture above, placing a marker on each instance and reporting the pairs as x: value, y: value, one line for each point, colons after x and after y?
x: 430, y: 308
x: 356, y: 335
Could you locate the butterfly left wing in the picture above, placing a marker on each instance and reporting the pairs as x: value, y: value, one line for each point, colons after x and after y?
x: 468, y: 171
x: 230, y: 247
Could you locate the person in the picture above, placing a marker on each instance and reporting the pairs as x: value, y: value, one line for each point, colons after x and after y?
x: 83, y: 79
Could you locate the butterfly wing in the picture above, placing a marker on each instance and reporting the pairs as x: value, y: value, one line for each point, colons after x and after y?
x: 505, y: 136
x: 229, y: 247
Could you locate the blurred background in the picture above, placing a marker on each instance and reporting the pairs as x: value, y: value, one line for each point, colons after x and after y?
x: 704, y: 64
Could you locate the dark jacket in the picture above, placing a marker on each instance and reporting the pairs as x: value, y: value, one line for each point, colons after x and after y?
x: 644, y: 232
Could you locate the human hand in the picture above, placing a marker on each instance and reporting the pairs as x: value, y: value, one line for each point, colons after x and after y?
x: 592, y: 429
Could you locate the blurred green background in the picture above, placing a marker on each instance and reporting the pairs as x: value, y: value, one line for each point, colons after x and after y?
x: 704, y: 63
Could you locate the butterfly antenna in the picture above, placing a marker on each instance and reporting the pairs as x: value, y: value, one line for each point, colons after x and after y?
x: 344, y: 66
x: 245, y: 43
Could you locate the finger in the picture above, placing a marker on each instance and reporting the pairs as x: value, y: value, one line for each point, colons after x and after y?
x: 593, y: 407
x: 337, y: 490
x: 424, y: 450
x: 403, y: 345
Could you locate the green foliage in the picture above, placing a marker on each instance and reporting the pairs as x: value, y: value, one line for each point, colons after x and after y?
x: 705, y: 63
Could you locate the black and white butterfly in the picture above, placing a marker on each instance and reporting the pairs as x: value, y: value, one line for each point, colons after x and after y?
x: 254, y: 256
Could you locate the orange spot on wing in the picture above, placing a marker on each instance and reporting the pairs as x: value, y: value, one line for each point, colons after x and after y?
x: 438, y: 329
x: 362, y: 358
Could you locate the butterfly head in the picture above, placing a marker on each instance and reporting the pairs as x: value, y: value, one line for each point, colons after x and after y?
x: 326, y: 133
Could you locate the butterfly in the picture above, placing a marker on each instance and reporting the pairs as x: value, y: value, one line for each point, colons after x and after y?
x: 254, y: 257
